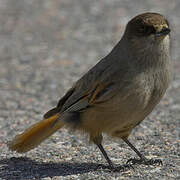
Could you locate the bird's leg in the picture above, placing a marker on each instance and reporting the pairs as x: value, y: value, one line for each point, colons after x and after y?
x: 112, y: 167
x: 97, y: 140
x: 143, y: 159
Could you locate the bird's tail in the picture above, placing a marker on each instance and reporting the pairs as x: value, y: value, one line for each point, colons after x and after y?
x: 35, y: 134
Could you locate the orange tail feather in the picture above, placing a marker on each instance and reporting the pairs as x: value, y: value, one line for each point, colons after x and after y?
x: 34, y: 135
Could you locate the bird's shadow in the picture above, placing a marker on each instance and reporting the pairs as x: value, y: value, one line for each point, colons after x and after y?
x: 25, y: 168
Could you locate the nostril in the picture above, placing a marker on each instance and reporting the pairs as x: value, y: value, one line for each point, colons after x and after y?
x: 164, y: 31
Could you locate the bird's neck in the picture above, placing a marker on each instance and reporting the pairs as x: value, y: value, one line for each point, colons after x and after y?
x: 153, y: 55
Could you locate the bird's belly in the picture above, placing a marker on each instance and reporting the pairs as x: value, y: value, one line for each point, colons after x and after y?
x: 118, y: 116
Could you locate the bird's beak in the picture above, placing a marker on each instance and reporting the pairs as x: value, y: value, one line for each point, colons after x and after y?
x: 163, y: 32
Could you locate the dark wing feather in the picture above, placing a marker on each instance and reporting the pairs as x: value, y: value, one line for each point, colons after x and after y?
x: 59, y: 105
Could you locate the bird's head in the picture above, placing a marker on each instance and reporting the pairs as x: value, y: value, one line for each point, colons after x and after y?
x: 148, y: 30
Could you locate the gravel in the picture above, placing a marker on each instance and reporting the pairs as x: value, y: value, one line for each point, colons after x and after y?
x: 45, y: 47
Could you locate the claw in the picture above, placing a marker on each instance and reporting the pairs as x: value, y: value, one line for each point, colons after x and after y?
x: 122, y: 168
x: 145, y: 161
x: 131, y: 160
x: 155, y: 161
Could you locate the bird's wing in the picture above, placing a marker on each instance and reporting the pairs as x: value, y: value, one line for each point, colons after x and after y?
x: 99, y: 93
x: 60, y: 104
x: 96, y: 86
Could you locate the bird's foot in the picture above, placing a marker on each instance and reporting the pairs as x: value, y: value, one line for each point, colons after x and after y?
x: 121, y: 168
x: 114, y: 168
x: 145, y: 161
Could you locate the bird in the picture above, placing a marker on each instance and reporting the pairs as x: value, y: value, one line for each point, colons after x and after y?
x: 115, y: 95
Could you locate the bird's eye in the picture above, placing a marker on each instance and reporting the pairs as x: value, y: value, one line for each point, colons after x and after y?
x: 142, y: 29
x: 146, y: 30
